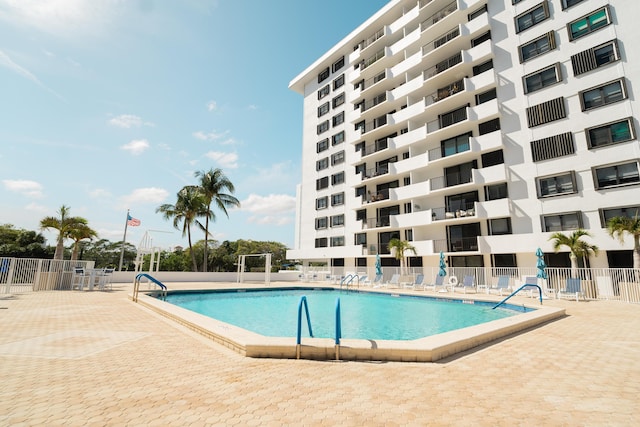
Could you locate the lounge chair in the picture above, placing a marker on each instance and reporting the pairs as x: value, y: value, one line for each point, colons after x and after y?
x: 418, y: 281
x: 394, y: 281
x: 438, y: 285
x: 573, y: 289
x: 467, y: 284
x: 375, y: 283
x: 501, y: 286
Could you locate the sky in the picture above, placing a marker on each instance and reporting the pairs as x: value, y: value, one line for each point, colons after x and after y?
x: 113, y: 105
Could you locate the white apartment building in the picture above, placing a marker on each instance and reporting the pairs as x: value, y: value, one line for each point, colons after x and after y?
x: 473, y: 127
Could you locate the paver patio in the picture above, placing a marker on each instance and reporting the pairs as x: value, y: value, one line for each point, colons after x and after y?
x: 96, y: 358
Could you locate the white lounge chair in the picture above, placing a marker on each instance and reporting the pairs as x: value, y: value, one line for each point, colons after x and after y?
x: 501, y: 286
x: 437, y: 285
x: 375, y: 283
x: 467, y: 284
x: 416, y: 282
x: 573, y: 289
x: 394, y: 281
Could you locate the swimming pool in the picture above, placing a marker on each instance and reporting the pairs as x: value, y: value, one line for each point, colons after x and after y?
x: 428, y: 349
x: 364, y: 315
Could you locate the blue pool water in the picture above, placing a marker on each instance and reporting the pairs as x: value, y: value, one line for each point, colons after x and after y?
x: 364, y: 315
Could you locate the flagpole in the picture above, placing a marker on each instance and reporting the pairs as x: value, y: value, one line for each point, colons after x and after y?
x: 124, y: 240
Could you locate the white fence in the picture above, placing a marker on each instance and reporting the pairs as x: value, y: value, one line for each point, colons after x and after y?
x: 620, y: 284
x: 19, y: 275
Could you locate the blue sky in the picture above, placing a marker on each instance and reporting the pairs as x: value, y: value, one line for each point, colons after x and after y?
x: 109, y: 105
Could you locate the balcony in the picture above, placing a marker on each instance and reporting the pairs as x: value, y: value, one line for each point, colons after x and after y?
x: 440, y: 41
x: 494, y: 209
x: 438, y: 16
x: 490, y: 175
x: 382, y: 221
x: 445, y: 92
x: 379, y: 145
x: 448, y: 119
x: 414, y: 219
x: 372, y: 124
x: 467, y: 210
x: 374, y: 172
x: 378, y: 196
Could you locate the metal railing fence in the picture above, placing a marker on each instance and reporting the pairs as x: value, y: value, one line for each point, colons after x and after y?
x: 19, y: 275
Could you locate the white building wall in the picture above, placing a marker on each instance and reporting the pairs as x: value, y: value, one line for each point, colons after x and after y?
x: 409, y: 32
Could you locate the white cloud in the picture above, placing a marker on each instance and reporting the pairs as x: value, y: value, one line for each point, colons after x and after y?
x: 137, y: 146
x: 271, y: 220
x: 211, y: 136
x: 99, y: 193
x: 7, y: 62
x: 128, y: 121
x: 252, y: 107
x: 24, y: 187
x: 212, y: 106
x: 145, y: 195
x: 34, y: 207
x: 274, y: 209
x: 225, y: 160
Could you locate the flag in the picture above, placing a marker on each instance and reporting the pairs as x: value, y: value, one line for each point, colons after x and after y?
x: 133, y: 222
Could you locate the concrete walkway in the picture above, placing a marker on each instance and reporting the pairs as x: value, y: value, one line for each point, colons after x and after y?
x: 96, y: 358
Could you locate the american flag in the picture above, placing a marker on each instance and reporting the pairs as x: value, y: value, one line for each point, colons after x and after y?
x: 133, y: 222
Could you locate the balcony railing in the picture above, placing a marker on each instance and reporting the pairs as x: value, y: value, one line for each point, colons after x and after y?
x: 372, y: 59
x: 440, y: 41
x: 450, y: 180
x: 448, y: 9
x: 373, y: 172
x: 453, y: 117
x: 379, y: 145
x: 372, y: 39
x: 373, y: 124
x: 451, y: 212
x: 381, y: 221
x: 443, y: 66
x: 377, y: 196
x: 377, y: 100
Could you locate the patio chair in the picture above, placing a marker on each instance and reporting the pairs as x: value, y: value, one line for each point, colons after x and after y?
x: 418, y: 281
x: 80, y: 278
x: 502, y: 285
x: 467, y: 284
x: 105, y: 278
x: 573, y: 289
x: 437, y: 285
x: 394, y: 281
x: 375, y: 283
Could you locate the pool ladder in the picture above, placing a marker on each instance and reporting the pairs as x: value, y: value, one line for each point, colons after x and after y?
x: 136, y: 286
x: 516, y: 291
x: 348, y: 279
x: 338, y: 335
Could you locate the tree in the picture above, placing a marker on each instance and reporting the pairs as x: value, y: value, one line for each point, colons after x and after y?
x: 400, y: 247
x: 80, y: 231
x: 213, y: 185
x: 190, y: 205
x: 620, y: 225
x: 578, y: 248
x: 22, y: 243
x: 64, y: 224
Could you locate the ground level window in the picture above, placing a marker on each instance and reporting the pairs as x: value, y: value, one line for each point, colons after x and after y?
x: 503, y: 260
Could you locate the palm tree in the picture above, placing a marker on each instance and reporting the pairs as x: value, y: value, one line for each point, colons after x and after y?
x: 79, y: 232
x: 624, y: 224
x: 577, y: 248
x: 213, y: 185
x: 400, y: 247
x: 64, y: 224
x: 190, y: 205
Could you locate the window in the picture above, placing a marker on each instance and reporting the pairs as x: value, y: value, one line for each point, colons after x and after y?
x: 324, y: 74
x: 323, y: 92
x: 337, y: 220
x: 339, y: 82
x: 360, y: 239
x: 337, y: 178
x: 322, y: 183
x: 536, y: 47
x: 337, y: 158
x: 499, y: 226
x: 603, y: 95
x: 455, y: 145
x: 481, y: 39
x: 611, y: 133
x: 321, y: 203
x: 496, y: 191
x: 488, y: 127
x: 361, y: 215
x: 568, y: 3
x: 481, y: 68
x: 487, y: 96
x: 323, y: 109
x: 557, y: 185
x: 459, y: 174
x: 503, y: 261
x: 552, y: 147
x: 532, y: 17
x: 588, y: 24
x: 337, y: 199
x: 492, y: 158
x: 338, y: 138
x: 337, y: 241
x: 450, y: 118
x: 323, y: 127
x: 322, y: 145
x: 321, y: 223
x: 338, y: 119
x: 546, y: 112
x: 321, y: 242
x: 473, y: 15
x: 322, y: 164
x: 338, y: 64
x: 562, y: 222
x: 338, y: 100
x: 515, y: 1
x: 621, y: 174
x: 542, y: 78
x: 596, y: 57
x: 626, y: 211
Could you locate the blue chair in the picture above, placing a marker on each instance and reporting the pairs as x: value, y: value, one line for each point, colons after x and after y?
x: 573, y: 289
x: 502, y: 285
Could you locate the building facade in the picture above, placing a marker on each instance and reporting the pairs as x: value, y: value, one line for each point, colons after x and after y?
x: 476, y: 128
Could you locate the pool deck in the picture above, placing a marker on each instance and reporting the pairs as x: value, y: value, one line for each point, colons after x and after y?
x: 96, y: 358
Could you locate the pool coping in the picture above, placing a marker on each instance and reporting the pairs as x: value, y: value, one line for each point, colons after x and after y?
x: 428, y: 349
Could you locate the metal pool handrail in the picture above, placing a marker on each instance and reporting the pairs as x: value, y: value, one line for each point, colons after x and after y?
x: 136, y: 285
x: 516, y: 291
x: 303, y: 301
x: 338, y: 329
